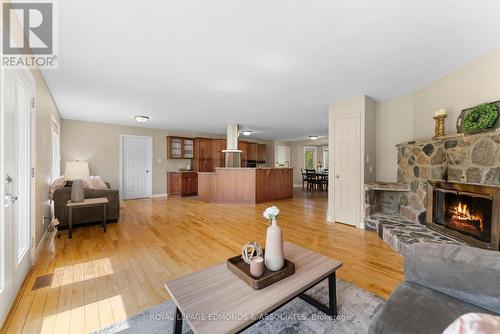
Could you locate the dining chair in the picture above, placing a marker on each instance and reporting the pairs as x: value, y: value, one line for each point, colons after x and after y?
x: 324, y: 182
x: 304, y: 178
x: 312, y: 181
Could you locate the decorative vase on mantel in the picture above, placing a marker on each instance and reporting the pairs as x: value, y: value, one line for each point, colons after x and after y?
x: 273, y: 255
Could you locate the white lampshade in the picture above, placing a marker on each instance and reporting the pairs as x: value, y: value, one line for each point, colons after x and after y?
x: 76, y: 170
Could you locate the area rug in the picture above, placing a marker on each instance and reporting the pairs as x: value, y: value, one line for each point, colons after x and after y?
x: 356, y: 309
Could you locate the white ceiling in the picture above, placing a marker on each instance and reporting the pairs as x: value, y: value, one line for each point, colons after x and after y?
x: 272, y: 66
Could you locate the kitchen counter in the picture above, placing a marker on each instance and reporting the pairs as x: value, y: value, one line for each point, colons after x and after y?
x: 245, y: 185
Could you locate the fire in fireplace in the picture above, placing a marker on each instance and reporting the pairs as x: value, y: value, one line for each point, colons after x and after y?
x: 468, y: 215
x: 465, y: 211
x: 462, y: 220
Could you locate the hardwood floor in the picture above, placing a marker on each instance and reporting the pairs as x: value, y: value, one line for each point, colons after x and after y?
x: 100, y: 278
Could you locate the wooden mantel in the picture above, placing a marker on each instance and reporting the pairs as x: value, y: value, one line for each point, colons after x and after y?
x: 245, y: 185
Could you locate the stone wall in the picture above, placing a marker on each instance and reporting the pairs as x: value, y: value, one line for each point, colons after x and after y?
x: 456, y: 158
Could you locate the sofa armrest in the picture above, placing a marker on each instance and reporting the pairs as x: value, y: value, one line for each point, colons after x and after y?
x: 466, y: 273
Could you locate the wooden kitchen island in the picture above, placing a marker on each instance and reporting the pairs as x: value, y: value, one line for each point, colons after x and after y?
x: 245, y: 185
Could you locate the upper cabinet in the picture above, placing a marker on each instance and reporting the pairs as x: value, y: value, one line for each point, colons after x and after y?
x: 218, y: 146
x: 206, y: 153
x: 252, y: 151
x: 249, y: 150
x: 180, y: 148
x: 242, y: 146
x: 262, y: 152
x: 203, y: 148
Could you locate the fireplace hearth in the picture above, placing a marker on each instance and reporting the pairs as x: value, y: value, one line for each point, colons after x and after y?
x: 469, y: 212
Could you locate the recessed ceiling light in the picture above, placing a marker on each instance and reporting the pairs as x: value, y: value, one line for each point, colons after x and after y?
x: 247, y: 132
x: 313, y: 137
x: 141, y: 118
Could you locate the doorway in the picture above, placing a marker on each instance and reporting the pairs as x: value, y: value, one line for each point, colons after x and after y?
x: 18, y: 171
x: 136, y: 174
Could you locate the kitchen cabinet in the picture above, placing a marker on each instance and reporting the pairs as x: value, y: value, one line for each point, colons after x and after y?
x: 203, y: 155
x: 249, y: 151
x: 182, y: 183
x: 203, y: 165
x: 243, y: 147
x: 180, y: 148
x: 218, y: 155
x: 252, y: 151
x: 203, y: 148
x: 262, y: 153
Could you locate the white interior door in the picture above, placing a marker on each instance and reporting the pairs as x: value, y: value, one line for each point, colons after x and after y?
x: 136, y: 166
x: 17, y: 164
x: 347, y: 168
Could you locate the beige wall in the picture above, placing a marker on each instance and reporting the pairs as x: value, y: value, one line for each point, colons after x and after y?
x: 472, y: 84
x: 99, y: 144
x: 46, y: 113
x: 394, y: 125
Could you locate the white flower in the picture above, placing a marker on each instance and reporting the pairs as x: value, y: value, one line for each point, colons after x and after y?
x: 271, y: 212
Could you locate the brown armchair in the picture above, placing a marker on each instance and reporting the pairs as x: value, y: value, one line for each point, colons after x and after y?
x: 86, y: 215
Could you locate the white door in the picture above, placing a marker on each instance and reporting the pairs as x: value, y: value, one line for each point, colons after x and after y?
x: 347, y: 168
x: 17, y: 164
x: 136, y: 166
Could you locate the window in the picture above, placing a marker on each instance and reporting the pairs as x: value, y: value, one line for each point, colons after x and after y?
x: 325, y: 157
x: 283, y: 155
x: 56, y: 155
x: 309, y: 157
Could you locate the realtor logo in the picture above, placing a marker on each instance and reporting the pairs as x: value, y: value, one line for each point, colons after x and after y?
x: 28, y: 36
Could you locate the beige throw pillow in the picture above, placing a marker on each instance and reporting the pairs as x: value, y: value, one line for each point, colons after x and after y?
x: 95, y: 182
x: 474, y: 323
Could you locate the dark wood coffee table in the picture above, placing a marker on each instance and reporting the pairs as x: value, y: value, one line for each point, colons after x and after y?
x: 214, y: 300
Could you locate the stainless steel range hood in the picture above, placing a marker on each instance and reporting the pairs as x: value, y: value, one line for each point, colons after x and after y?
x: 232, y: 154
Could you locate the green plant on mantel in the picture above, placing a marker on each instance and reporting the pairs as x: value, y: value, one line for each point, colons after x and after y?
x: 481, y: 117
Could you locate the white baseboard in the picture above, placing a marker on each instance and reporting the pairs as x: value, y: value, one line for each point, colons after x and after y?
x: 159, y: 195
x: 329, y: 219
x: 297, y: 186
x: 41, y: 244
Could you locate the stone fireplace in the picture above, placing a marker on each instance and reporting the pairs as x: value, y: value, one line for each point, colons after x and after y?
x: 463, y: 211
x: 473, y: 159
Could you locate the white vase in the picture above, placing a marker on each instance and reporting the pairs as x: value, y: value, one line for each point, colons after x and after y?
x: 273, y: 256
x: 77, y: 192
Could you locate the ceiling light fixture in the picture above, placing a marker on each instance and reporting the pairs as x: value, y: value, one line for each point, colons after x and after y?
x: 141, y: 118
x: 247, y: 132
x: 313, y: 137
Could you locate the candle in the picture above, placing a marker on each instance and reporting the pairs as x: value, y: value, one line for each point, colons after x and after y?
x: 440, y: 112
x: 257, y: 266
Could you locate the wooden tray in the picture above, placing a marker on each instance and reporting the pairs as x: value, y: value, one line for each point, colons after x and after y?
x: 238, y: 267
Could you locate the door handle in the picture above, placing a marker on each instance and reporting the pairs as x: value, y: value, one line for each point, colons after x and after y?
x: 147, y: 171
x: 337, y: 177
x: 8, y: 179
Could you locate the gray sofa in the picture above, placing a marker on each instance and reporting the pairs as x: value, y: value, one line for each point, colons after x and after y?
x: 86, y: 215
x: 442, y: 282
